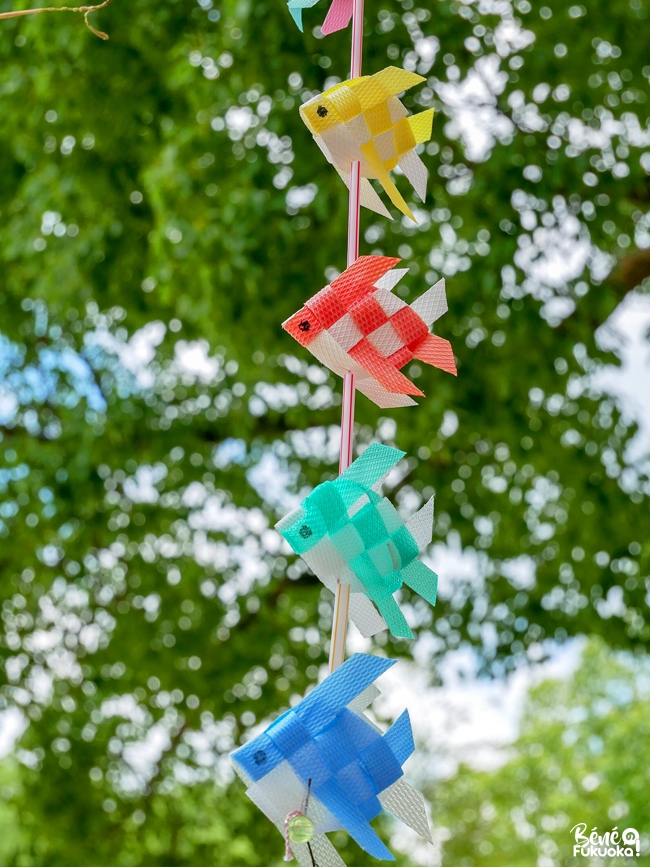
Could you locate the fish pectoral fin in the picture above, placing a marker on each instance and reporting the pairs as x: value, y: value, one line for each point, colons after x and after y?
x: 375, y: 162
x: 423, y: 580
x: 392, y: 614
x: 437, y: 351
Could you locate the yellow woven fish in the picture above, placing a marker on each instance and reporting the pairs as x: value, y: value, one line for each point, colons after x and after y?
x: 363, y: 120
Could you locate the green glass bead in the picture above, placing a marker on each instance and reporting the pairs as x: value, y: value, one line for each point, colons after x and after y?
x: 301, y: 829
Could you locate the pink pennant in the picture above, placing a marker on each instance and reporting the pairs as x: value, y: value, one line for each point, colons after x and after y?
x: 338, y: 17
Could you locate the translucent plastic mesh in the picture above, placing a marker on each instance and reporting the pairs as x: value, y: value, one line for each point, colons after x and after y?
x: 346, y: 531
x: 407, y: 804
x: 356, y: 325
x: 362, y: 120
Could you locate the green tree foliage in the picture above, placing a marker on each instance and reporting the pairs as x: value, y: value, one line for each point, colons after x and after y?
x: 581, y: 758
x: 154, y: 214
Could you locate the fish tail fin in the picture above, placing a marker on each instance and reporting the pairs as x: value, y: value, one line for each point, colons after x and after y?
x: 436, y: 351
x: 421, y: 125
x: 407, y: 804
x: 420, y: 526
x: 432, y: 304
x: 415, y: 170
x: 399, y: 738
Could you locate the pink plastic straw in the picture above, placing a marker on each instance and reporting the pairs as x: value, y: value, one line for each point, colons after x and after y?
x: 342, y: 603
x: 357, y: 39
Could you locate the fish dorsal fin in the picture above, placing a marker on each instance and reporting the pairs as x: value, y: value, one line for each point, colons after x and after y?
x: 382, y: 85
x: 360, y: 277
x: 323, y: 703
x: 420, y: 525
x: 391, y: 279
x: 364, y: 699
x: 351, y: 82
x: 371, y: 467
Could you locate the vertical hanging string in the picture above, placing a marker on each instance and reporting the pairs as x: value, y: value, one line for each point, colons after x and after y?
x: 342, y: 601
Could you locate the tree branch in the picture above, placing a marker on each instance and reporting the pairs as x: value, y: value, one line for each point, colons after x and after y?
x: 85, y: 10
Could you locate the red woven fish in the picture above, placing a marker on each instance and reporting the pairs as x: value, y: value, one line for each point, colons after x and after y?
x: 357, y: 325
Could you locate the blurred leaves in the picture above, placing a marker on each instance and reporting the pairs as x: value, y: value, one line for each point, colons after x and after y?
x: 579, y: 758
x: 156, y: 420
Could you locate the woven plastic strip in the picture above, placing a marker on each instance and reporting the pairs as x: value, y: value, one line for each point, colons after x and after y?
x: 360, y: 277
x: 407, y: 804
x: 322, y: 852
x: 432, y: 305
x: 338, y: 17
x: 296, y: 7
x: 362, y: 120
x: 346, y: 531
x: 356, y: 324
x: 327, y: 749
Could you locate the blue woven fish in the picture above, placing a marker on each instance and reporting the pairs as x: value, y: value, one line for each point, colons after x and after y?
x: 325, y: 761
x: 346, y: 531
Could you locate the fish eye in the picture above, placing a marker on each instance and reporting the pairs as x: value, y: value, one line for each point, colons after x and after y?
x: 321, y: 111
x: 304, y: 325
x: 305, y: 531
x: 259, y: 757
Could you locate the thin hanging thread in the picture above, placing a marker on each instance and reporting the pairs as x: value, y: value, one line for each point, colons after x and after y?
x: 288, y: 854
x: 342, y: 600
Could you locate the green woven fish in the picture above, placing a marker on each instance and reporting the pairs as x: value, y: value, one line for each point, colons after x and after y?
x: 346, y: 531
